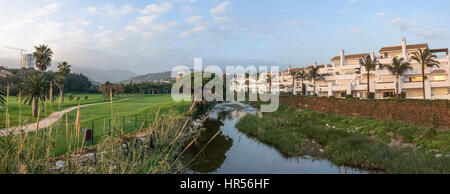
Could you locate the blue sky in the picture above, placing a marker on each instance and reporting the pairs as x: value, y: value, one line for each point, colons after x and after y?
x: 153, y: 36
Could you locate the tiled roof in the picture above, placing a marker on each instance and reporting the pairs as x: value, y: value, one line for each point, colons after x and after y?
x: 362, y: 55
x: 398, y: 48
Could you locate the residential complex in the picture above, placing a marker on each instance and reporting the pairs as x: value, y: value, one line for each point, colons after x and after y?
x: 345, y: 76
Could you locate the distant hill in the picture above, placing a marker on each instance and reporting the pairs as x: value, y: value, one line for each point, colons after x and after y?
x: 101, y: 76
x: 152, y: 77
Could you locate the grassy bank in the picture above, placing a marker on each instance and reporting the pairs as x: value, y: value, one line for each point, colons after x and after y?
x: 393, y: 147
x: 150, y: 144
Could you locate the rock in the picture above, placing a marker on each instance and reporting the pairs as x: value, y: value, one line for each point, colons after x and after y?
x: 59, y: 164
x: 438, y: 155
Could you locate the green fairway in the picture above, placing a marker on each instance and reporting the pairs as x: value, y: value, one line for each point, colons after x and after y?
x: 26, y: 118
x: 129, y: 115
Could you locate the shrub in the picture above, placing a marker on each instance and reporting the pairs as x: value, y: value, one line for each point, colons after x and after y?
x: 70, y: 96
x: 78, y: 98
x: 86, y: 98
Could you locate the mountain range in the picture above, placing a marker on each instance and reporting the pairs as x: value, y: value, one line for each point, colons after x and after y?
x: 101, y: 76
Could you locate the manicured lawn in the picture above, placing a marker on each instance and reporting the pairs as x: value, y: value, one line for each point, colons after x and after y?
x: 129, y: 115
x: 355, y: 142
x: 27, y: 118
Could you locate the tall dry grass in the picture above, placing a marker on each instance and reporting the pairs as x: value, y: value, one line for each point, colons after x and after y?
x: 155, y: 148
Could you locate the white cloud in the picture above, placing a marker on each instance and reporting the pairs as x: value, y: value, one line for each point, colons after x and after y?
x: 399, y: 24
x: 193, y: 31
x: 111, y: 10
x: 196, y: 20
x: 156, y: 9
x: 221, y: 8
x: 146, y: 19
x: 48, y: 9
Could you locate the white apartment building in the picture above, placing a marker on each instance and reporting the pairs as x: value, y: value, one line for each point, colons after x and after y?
x: 345, y: 76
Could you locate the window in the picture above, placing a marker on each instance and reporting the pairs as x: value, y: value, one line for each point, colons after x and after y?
x: 388, y: 94
x: 439, y: 78
x: 415, y: 79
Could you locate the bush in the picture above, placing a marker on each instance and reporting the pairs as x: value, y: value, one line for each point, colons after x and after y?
x: 349, y: 96
x: 78, y: 98
x: 86, y: 98
x: 70, y: 96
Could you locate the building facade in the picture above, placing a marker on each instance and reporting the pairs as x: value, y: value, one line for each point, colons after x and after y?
x: 345, y: 76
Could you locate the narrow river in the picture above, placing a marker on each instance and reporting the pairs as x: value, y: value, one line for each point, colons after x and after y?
x: 233, y: 152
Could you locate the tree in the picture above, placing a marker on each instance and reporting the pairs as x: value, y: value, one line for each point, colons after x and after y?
x: 106, y: 90
x: 269, y: 80
x: 426, y: 59
x: 398, y: 68
x: 34, y: 89
x: 369, y: 64
x: 43, y: 57
x: 293, y: 74
x: 314, y: 75
x: 302, y: 75
x: 63, y: 71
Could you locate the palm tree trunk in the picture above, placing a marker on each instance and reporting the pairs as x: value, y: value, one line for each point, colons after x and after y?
x: 368, y: 84
x: 60, y: 97
x: 303, y: 93
x: 293, y: 85
x: 35, y: 107
x: 396, y: 86
x: 314, y: 84
x: 423, y: 81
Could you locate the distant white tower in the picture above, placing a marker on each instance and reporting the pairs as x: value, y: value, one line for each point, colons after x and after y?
x: 342, y: 57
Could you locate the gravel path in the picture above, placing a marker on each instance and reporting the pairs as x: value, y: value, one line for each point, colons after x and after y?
x: 45, y: 123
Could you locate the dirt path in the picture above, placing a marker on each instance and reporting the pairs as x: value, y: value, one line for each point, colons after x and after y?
x: 45, y: 123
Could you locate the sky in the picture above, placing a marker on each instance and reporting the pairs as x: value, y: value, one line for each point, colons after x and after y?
x: 147, y: 36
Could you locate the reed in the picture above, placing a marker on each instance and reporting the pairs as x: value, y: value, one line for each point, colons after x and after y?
x: 152, y: 148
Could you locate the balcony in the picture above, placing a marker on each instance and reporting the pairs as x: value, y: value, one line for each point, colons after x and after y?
x: 412, y: 85
x: 385, y: 86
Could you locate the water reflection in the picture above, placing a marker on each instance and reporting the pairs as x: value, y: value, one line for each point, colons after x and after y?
x: 213, y: 155
x: 231, y: 151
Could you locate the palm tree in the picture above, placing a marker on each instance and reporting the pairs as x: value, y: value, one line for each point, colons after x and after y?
x: 369, y: 64
x: 314, y: 75
x: 293, y: 74
x: 63, y: 71
x: 302, y: 75
x: 398, y: 68
x: 426, y: 59
x: 269, y: 81
x: 34, y: 89
x: 247, y: 82
x: 43, y: 57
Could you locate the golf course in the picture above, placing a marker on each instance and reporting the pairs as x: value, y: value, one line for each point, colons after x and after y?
x: 128, y: 113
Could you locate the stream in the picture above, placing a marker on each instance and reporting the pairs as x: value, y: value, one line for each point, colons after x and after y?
x: 233, y: 152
